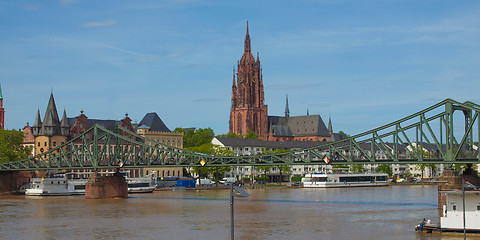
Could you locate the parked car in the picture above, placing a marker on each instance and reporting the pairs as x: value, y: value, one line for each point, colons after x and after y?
x: 205, y: 182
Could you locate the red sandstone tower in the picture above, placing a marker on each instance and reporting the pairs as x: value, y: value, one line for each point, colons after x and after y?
x: 248, y: 112
x: 2, y: 111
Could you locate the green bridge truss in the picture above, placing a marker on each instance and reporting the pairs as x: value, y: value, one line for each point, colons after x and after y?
x: 427, y: 136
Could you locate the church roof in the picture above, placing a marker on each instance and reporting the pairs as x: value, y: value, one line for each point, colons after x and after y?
x: 308, y: 125
x: 153, y: 121
x: 243, y: 142
x: 51, y: 123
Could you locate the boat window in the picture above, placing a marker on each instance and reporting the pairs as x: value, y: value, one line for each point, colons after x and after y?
x: 454, y: 207
x: 478, y: 207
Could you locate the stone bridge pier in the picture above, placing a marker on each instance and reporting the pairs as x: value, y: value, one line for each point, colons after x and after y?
x: 99, y: 187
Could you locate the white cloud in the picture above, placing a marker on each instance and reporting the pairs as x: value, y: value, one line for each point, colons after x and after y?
x: 93, y: 24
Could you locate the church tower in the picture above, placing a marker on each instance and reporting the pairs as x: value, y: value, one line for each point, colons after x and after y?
x: 2, y: 111
x: 248, y: 111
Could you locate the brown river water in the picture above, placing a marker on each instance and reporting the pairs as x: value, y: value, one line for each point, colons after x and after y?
x: 269, y: 213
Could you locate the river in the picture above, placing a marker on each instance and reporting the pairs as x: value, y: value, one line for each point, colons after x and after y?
x: 271, y: 213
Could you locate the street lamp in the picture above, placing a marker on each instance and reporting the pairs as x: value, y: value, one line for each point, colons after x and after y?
x: 235, y: 191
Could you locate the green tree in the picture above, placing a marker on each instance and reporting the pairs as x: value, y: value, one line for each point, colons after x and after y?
x: 230, y: 135
x: 265, y: 170
x: 197, y: 138
x: 283, y: 169
x: 385, y: 168
x: 251, y: 135
x: 339, y: 168
x: 357, y: 168
x: 216, y: 172
x: 297, y: 177
x: 11, y: 148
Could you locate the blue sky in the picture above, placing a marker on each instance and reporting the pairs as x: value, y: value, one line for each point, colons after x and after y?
x: 362, y: 63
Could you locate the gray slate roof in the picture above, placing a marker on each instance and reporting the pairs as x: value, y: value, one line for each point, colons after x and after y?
x: 153, y: 121
x: 308, y: 125
x: 243, y: 142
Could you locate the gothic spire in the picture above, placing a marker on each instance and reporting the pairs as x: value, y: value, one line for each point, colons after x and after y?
x: 65, y: 128
x: 330, y: 129
x: 247, y: 47
x: 287, y: 110
x: 308, y: 112
x: 1, y: 97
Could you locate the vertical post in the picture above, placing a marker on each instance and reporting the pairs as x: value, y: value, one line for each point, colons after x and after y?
x: 232, y: 228
x: 463, y: 197
x: 95, y: 147
x: 449, y: 132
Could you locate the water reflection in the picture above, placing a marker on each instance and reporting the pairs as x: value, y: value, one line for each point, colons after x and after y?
x: 272, y: 213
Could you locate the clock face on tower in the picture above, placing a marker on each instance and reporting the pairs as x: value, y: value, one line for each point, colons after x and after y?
x: 240, y: 79
x: 254, y: 79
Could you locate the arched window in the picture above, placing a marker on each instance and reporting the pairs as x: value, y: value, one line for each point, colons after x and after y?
x: 255, y: 122
x: 239, y: 123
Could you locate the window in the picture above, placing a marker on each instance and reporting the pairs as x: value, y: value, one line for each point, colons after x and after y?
x: 45, y: 144
x: 454, y: 207
x: 478, y: 207
x: 39, y: 144
x: 27, y: 136
x: 54, y: 144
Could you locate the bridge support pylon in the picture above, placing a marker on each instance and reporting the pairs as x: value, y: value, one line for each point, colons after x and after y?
x: 100, y: 187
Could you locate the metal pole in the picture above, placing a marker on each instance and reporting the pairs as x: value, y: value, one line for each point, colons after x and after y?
x: 463, y: 197
x: 231, y: 212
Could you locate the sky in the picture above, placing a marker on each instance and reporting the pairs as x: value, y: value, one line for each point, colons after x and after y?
x: 361, y: 63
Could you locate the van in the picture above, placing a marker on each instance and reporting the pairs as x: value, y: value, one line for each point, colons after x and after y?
x: 205, y: 182
x: 227, y: 180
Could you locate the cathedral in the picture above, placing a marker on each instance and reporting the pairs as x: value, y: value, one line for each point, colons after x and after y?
x: 249, y: 113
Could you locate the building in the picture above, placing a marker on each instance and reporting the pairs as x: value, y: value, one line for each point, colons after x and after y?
x: 249, y: 113
x: 152, y: 127
x: 28, y: 138
x: 50, y: 133
x: 2, y: 111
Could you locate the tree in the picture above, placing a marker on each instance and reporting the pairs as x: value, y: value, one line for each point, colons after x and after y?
x: 216, y: 172
x: 11, y: 148
x: 251, y: 135
x: 339, y: 168
x: 357, y: 168
x: 230, y: 135
x: 265, y: 170
x: 385, y: 168
x: 197, y: 138
x: 283, y: 169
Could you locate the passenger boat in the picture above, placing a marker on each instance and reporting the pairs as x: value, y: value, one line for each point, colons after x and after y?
x: 64, y: 185
x: 141, y: 185
x: 57, y: 185
x: 334, y: 180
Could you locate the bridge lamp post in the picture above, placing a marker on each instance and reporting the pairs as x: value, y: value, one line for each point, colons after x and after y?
x: 235, y: 191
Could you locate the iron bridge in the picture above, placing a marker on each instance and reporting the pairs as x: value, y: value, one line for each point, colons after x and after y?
x: 425, y: 137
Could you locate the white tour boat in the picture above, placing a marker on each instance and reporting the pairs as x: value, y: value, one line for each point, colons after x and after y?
x: 57, y: 185
x: 335, y: 180
x: 141, y: 185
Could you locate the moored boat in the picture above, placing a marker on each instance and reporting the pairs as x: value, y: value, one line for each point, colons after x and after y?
x: 334, y: 180
x: 57, y: 185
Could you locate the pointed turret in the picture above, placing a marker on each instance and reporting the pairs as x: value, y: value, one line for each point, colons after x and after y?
x: 287, y: 110
x: 37, y: 125
x: 1, y: 97
x: 308, y: 112
x: 64, y: 125
x: 51, y: 123
x: 330, y: 129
